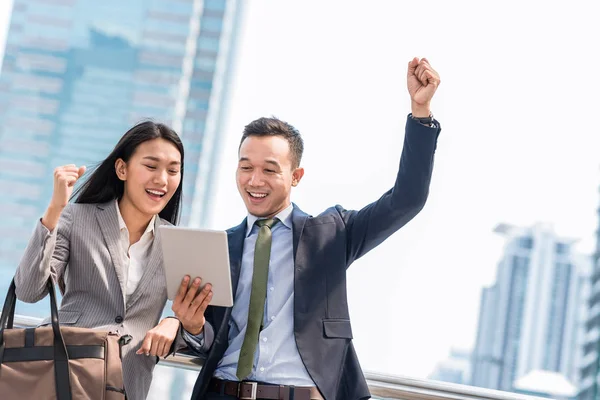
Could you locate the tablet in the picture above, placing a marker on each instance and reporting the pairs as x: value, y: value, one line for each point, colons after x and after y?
x: 198, y: 253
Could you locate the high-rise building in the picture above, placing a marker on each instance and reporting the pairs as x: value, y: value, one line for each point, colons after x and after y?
x: 455, y: 369
x: 77, y: 74
x: 532, y: 318
x: 547, y: 385
x: 590, y: 367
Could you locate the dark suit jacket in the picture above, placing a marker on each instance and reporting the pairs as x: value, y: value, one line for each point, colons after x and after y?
x: 324, y: 247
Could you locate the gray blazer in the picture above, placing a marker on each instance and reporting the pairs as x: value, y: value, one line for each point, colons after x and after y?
x: 82, y: 257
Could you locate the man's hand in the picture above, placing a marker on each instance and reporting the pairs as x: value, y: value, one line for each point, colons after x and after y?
x: 422, y: 81
x: 189, y: 304
x: 159, y: 339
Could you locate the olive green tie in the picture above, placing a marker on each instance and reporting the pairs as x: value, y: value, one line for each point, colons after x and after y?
x: 258, y: 295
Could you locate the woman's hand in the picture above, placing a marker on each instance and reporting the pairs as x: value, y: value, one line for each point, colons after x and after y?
x: 64, y: 180
x: 159, y: 339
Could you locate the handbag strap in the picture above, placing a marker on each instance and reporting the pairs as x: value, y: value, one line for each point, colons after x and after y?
x: 8, y: 310
x: 61, y: 358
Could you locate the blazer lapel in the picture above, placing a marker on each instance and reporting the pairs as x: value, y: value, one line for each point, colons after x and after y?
x: 235, y: 241
x: 299, y: 218
x: 155, y: 262
x: 106, y: 214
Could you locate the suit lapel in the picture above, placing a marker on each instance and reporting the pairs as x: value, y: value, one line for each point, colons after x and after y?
x: 106, y: 214
x: 155, y: 262
x: 235, y: 241
x: 299, y: 218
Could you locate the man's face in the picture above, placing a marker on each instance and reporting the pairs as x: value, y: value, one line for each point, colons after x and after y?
x: 265, y: 176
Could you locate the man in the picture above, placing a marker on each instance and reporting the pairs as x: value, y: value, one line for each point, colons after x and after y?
x: 288, y: 335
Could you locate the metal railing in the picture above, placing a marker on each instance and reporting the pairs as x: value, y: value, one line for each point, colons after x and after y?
x: 381, y: 385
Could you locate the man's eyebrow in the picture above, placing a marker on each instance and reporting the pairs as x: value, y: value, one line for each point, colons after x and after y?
x: 273, y: 162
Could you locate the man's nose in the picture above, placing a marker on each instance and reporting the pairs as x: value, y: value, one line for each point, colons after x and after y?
x: 256, y: 179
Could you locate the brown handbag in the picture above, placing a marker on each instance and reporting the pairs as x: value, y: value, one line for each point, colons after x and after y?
x: 58, y: 363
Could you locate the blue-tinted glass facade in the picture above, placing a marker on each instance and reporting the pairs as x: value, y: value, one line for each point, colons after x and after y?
x: 78, y: 73
x: 514, y: 319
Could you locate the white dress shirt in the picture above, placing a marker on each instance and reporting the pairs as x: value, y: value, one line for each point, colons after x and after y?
x: 135, y: 257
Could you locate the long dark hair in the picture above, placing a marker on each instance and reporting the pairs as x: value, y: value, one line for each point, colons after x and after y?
x: 103, y: 185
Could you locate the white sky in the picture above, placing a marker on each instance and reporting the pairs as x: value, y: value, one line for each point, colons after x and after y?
x: 5, y: 9
x: 520, y: 143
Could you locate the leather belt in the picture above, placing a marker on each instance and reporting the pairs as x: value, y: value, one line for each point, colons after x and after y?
x: 256, y: 391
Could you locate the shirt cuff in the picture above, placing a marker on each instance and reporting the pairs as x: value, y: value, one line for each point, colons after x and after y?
x: 194, y: 341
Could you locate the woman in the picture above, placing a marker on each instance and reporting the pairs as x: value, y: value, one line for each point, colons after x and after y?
x: 104, y: 252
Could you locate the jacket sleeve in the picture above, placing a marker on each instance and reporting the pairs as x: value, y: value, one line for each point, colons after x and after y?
x: 199, y: 344
x: 368, y: 227
x: 46, y: 255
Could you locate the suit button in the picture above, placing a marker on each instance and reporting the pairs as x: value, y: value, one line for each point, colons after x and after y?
x: 118, y: 319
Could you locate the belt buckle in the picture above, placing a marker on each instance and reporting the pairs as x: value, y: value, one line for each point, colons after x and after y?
x: 253, y: 390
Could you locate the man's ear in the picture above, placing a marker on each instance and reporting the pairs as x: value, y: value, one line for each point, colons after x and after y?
x: 297, y: 176
x: 121, y: 169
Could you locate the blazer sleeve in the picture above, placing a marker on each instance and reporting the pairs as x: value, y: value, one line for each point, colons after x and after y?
x: 46, y: 255
x: 368, y: 227
x: 197, y: 345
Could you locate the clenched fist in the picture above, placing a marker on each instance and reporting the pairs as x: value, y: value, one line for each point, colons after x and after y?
x: 422, y: 82
x: 159, y: 339
x: 64, y: 180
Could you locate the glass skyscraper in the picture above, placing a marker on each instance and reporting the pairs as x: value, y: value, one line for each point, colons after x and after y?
x: 78, y: 73
x: 590, y: 368
x: 531, y: 319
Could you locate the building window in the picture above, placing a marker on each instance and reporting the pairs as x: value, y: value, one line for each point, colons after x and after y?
x: 215, y: 5
x: 561, y: 248
x: 526, y: 242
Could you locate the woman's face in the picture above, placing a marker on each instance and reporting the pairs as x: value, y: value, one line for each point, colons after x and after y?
x: 151, y: 176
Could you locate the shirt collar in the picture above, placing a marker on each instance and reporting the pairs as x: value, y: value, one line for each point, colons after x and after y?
x: 284, y: 216
x: 122, y: 225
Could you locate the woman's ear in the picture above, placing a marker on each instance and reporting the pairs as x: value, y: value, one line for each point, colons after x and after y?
x: 121, y: 169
